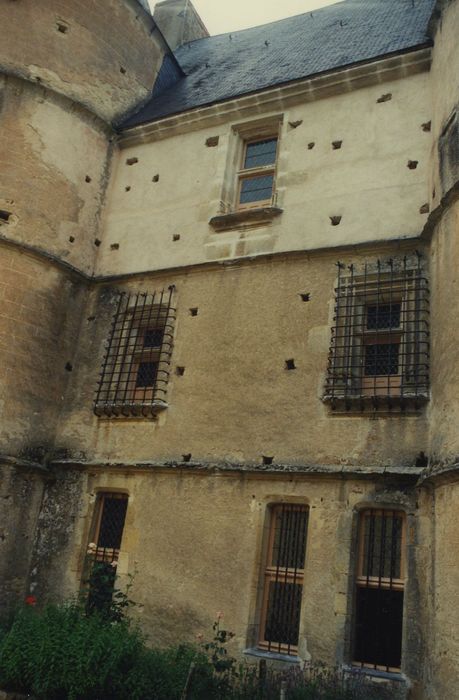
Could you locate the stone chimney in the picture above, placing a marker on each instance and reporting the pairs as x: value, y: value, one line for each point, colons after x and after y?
x: 179, y: 22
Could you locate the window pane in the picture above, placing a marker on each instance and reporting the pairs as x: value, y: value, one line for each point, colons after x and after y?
x: 256, y: 189
x: 381, y: 359
x: 289, y: 546
x: 112, y: 522
x: 382, y: 551
x: 260, y: 153
x: 283, y: 613
x: 378, y: 627
x: 383, y: 316
x: 146, y: 374
x: 153, y: 337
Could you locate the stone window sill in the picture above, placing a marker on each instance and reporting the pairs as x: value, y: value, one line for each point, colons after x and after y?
x: 272, y: 656
x: 245, y: 217
x: 396, y: 676
x: 130, y: 409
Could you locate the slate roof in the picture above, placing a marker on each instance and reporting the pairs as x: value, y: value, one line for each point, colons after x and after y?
x: 221, y: 67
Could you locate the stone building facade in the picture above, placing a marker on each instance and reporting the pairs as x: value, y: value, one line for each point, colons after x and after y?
x: 228, y: 316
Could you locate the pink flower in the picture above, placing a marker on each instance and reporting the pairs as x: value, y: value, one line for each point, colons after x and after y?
x: 219, y: 615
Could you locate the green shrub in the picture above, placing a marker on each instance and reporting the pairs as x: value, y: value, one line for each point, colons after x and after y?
x: 65, y: 653
x: 61, y: 652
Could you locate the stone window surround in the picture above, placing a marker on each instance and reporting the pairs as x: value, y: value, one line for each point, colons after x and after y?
x: 231, y: 215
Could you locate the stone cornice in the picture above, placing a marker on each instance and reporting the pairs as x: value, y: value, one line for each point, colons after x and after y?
x: 409, y: 474
x: 400, y: 243
x: 278, y: 98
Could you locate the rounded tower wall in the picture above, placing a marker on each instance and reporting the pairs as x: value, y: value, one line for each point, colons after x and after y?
x: 103, y: 55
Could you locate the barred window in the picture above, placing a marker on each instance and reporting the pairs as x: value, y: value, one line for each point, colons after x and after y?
x: 379, y: 590
x: 104, y: 550
x: 379, y: 353
x: 135, y: 371
x: 110, y: 514
x: 283, y: 579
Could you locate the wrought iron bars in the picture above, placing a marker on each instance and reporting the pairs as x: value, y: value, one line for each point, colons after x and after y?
x: 136, y: 366
x: 380, y: 590
x: 379, y: 353
x: 283, y: 579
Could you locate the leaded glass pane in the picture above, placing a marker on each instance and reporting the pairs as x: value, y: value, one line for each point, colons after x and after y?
x: 382, y: 552
x: 260, y: 153
x: 256, y: 189
x: 146, y: 374
x: 283, y: 613
x: 381, y: 359
x: 289, y: 546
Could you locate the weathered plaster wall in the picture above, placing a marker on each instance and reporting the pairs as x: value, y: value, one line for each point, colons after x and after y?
x: 443, y: 622
x: 236, y: 400
x: 444, y: 413
x: 102, y: 55
x: 54, y: 164
x: 445, y: 98
x: 209, y: 555
x: 444, y: 644
x: 367, y: 182
x: 40, y: 310
x: 21, y: 492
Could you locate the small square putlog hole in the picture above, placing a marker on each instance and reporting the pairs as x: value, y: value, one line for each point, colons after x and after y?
x: 194, y: 311
x: 155, y: 178
x: 212, y: 141
x: 412, y: 164
x: 176, y: 237
x: 180, y: 371
x: 335, y: 220
x: 311, y: 145
x: 336, y: 145
x: 305, y: 296
x: 187, y: 457
x: 384, y: 98
x: 267, y: 460
x: 290, y: 364
x: 132, y: 161
x: 4, y: 216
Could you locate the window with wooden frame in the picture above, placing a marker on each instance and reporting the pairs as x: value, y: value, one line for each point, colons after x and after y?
x: 283, y: 578
x: 135, y: 371
x: 256, y: 177
x: 380, y: 585
x: 104, y: 549
x: 379, y: 353
x: 108, y: 526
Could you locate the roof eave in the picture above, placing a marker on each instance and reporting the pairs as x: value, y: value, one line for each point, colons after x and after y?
x: 379, y: 69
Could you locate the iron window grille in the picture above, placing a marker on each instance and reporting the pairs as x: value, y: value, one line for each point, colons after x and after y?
x: 284, y: 579
x: 380, y: 588
x: 104, y: 550
x: 379, y: 352
x: 136, y: 366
